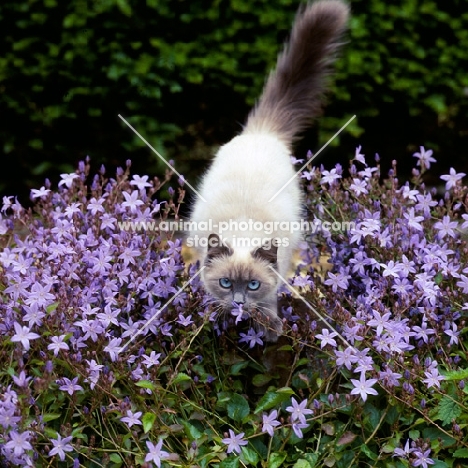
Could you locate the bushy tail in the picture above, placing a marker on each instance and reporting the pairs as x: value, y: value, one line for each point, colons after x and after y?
x: 293, y: 92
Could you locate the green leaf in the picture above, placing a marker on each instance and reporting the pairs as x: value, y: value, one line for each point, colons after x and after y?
x: 312, y: 458
x: 115, y: 458
x: 50, y: 308
x: 272, y: 400
x: 260, y: 380
x: 373, y: 414
x: 448, y: 410
x: 124, y: 7
x: 365, y: 449
x: 439, y: 464
x: 438, y: 278
x: 302, y: 464
x: 250, y: 455
x: 276, y: 459
x: 181, y: 377
x: 191, y: 430
x: 146, y: 384
x: 50, y: 432
x: 148, y: 421
x: 50, y: 416
x: 237, y: 407
x: 285, y: 390
x: 231, y: 462
x: 457, y: 375
x: 238, y: 366
x: 433, y: 433
x: 285, y: 348
x: 461, y: 453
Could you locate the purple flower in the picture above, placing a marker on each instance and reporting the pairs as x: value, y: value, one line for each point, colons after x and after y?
x: 22, y: 380
x: 403, y: 453
x: 113, y: 348
x: 422, y: 458
x: 446, y: 227
x: 453, y: 334
x: 424, y: 158
x: 452, y: 178
x: 140, y: 182
x: 346, y: 358
x: 390, y: 378
x: 425, y: 203
x: 23, y: 335
x: 252, y: 337
x: 61, y: 446
x: 234, y: 442
x: 358, y: 156
x: 270, y: 422
x: 67, y: 179
x: 7, y: 416
x: 297, y: 428
x: 463, y: 283
x: 132, y: 418
x: 155, y: 453
x: 299, y: 410
x: 238, y: 312
x: 413, y: 220
x: 433, y: 378
x: 363, y: 387
x: 69, y: 386
x: 95, y: 206
x: 184, y: 321
x: 359, y: 187
x: 40, y: 295
x: 390, y: 269
x: 39, y: 193
x: 408, y: 193
x: 340, y: 280
x: 19, y: 442
x: 152, y: 359
x: 58, y: 344
x: 380, y: 322
x: 329, y: 177
x: 132, y: 201
x: 326, y: 338
x: 422, y: 332
x: 306, y: 174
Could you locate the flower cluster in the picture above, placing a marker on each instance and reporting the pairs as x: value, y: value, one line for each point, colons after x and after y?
x: 76, y: 291
x: 116, y: 356
x: 396, y: 295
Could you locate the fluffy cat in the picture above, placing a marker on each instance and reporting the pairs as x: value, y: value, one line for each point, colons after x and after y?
x: 246, y: 181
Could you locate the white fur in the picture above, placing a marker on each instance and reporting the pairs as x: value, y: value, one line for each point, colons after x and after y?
x: 245, y: 174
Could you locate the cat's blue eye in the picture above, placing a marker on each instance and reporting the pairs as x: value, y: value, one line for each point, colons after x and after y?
x: 253, y: 285
x: 225, y: 283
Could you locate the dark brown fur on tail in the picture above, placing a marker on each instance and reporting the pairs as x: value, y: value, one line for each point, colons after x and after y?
x: 293, y: 93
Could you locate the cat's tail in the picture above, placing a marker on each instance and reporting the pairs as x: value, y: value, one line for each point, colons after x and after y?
x: 293, y: 92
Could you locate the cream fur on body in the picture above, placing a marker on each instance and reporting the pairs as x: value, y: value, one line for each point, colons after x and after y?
x: 246, y: 173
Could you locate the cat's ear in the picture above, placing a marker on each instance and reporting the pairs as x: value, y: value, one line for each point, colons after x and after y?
x: 216, y: 248
x: 268, y: 252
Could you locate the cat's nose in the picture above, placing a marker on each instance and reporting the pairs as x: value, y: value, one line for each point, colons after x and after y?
x: 238, y: 298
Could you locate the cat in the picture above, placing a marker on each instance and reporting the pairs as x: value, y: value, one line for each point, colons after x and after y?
x: 246, y: 183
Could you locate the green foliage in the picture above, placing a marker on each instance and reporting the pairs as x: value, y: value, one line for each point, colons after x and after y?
x: 185, y: 74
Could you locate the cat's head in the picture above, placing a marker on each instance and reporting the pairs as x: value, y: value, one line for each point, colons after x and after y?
x: 244, y: 277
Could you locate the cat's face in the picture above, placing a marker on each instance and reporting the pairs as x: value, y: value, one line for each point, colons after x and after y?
x: 244, y: 279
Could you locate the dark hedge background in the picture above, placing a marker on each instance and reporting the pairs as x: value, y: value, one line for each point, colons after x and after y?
x: 184, y: 73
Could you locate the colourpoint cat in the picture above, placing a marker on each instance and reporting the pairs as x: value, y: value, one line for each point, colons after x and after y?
x: 245, y: 195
